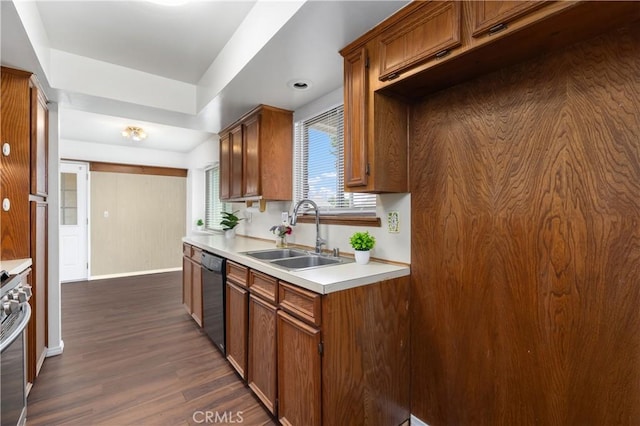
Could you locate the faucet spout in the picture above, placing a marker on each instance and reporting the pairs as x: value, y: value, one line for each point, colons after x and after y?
x: 294, y: 220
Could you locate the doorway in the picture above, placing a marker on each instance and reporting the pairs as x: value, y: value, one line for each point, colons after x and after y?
x: 74, y: 236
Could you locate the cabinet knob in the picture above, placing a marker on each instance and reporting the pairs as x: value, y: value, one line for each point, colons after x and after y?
x: 6, y: 149
x: 6, y: 205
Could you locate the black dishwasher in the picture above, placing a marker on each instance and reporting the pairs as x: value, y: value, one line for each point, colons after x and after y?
x: 213, y: 297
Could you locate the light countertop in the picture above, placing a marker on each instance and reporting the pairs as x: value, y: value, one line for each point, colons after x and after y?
x: 15, y: 266
x: 323, y: 280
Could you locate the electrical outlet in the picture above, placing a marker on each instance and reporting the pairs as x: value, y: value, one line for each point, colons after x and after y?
x: 393, y: 222
x: 284, y: 216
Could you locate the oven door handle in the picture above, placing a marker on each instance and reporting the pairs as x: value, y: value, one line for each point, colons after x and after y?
x: 17, y: 330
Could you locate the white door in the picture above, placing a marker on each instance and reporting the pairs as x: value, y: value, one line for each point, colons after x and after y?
x: 73, y: 222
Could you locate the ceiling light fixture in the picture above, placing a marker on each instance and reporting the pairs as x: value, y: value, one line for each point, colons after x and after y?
x: 135, y: 133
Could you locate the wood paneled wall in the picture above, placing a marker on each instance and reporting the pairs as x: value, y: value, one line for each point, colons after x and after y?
x: 526, y: 242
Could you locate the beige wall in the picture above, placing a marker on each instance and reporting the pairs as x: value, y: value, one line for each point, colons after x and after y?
x: 145, y: 223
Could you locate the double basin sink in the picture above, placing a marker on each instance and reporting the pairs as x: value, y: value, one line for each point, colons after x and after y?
x: 295, y: 259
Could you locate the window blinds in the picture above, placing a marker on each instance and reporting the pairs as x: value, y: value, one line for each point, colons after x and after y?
x: 319, y: 166
x: 213, y: 206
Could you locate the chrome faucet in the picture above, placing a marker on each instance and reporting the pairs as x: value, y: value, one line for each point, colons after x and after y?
x: 294, y: 219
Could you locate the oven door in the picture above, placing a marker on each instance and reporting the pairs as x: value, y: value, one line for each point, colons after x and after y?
x: 13, y: 371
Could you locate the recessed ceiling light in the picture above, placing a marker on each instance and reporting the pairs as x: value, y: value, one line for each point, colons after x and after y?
x: 299, y: 84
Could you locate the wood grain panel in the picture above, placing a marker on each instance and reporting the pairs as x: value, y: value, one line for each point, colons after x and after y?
x: 301, y: 303
x: 39, y: 284
x: 16, y: 128
x: 366, y: 333
x: 263, y: 285
x: 95, y: 166
x: 526, y: 261
x: 276, y: 153
x: 239, y: 274
x: 251, y: 157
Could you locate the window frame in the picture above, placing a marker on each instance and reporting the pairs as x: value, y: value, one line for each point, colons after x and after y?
x: 334, y: 216
x: 208, y: 226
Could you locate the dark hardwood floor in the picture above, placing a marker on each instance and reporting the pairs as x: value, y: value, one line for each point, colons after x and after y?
x: 132, y: 355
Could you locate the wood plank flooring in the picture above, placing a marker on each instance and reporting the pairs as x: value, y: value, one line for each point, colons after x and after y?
x: 132, y: 355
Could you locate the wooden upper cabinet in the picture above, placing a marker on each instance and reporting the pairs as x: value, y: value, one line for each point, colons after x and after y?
x: 225, y: 165
x: 375, y: 130
x: 251, y: 136
x: 430, y: 31
x: 260, y: 162
x: 491, y: 16
x: 235, y: 184
x: 355, y: 118
x: 39, y: 141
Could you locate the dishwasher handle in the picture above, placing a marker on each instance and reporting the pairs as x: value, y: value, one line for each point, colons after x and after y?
x: 212, y: 262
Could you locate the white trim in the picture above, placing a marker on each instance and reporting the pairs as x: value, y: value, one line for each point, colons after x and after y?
x: 56, y: 350
x: 417, y: 422
x: 134, y: 274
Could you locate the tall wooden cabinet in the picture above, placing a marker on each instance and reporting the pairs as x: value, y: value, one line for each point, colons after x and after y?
x: 256, y: 156
x: 24, y: 139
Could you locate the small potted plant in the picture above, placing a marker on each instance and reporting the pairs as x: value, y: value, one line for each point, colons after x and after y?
x: 362, y: 243
x: 200, y: 224
x: 281, y: 232
x: 229, y: 222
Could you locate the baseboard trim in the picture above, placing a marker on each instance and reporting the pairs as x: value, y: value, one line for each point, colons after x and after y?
x: 417, y: 422
x: 133, y: 274
x: 56, y: 350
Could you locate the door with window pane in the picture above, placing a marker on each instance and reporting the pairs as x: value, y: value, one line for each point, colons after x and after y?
x: 73, y: 222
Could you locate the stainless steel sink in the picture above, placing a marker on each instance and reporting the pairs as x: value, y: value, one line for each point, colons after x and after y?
x: 295, y: 259
x: 305, y: 262
x: 271, y: 254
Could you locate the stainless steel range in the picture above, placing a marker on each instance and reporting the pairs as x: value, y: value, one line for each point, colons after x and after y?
x: 14, y: 314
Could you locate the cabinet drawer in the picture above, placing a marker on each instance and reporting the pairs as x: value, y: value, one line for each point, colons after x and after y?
x: 237, y: 273
x: 302, y: 303
x: 490, y: 15
x: 196, y: 255
x: 186, y: 249
x: 434, y: 27
x: 264, y: 286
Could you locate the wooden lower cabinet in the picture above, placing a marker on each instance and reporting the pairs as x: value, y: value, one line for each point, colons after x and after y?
x: 186, y: 283
x: 299, y: 375
x: 192, y: 283
x: 196, y: 293
x: 237, y: 305
x: 262, y: 367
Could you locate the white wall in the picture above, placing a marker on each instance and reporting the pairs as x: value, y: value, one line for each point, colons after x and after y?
x: 394, y: 247
x: 204, y: 155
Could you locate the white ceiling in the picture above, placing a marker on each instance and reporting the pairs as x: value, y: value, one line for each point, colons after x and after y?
x: 181, y: 47
x: 177, y: 42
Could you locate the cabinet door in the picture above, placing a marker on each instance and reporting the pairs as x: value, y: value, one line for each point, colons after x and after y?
x: 299, y: 380
x: 433, y: 29
x: 262, y: 351
x: 186, y: 283
x: 196, y: 292
x: 251, y: 136
x: 355, y: 118
x: 494, y: 14
x: 236, y: 183
x: 39, y: 142
x: 225, y: 166
x: 236, y: 325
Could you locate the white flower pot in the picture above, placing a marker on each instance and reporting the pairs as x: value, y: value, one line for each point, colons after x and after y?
x: 230, y: 234
x: 362, y: 256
